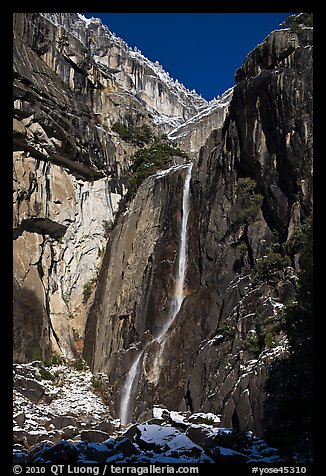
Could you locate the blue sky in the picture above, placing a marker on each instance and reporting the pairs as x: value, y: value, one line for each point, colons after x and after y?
x: 201, y: 50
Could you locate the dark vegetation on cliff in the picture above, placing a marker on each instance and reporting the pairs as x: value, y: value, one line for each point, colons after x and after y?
x: 155, y: 152
x: 296, y: 22
x: 147, y: 161
x: 288, y: 407
x: 136, y: 135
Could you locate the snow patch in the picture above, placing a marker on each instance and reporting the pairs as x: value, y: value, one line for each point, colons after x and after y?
x: 168, y: 439
x: 174, y: 168
x: 158, y: 412
x: 176, y: 417
x: 212, y: 106
x: 86, y: 20
x: 205, y: 416
x: 75, y: 398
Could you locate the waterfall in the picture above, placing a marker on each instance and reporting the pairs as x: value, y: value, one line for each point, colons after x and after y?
x: 179, y: 295
x: 127, y: 391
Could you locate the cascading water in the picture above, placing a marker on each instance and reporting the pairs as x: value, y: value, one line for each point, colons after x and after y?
x: 182, y: 259
x: 179, y: 295
x: 127, y: 391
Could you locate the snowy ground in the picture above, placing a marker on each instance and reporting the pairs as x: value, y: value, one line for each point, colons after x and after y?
x: 70, y: 393
x: 64, y: 418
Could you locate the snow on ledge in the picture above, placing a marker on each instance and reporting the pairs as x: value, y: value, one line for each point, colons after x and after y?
x: 207, y: 416
x: 86, y: 20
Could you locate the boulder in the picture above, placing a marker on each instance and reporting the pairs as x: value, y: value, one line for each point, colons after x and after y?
x: 227, y: 455
x: 98, y: 452
x: 30, y: 388
x: 145, y: 416
x: 201, y: 436
x: 20, y: 418
x: 205, y: 418
x: 167, y: 440
x: 54, y: 436
x: 60, y: 453
x: 62, y: 421
x: 126, y: 447
x: 42, y: 421
x: 69, y: 432
x: 179, y: 420
x: 19, y: 436
x: 42, y: 446
x: 95, y: 436
x: 105, y: 426
x: 36, y: 436
x: 132, y: 432
x: 49, y: 396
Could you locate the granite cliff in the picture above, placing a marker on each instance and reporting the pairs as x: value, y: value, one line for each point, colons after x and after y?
x: 73, y: 80
x: 99, y: 272
x: 251, y: 187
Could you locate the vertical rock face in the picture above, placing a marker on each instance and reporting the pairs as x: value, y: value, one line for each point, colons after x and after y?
x: 72, y: 80
x: 59, y: 239
x: 168, y: 101
x: 192, y: 134
x: 251, y: 188
x: 136, y: 284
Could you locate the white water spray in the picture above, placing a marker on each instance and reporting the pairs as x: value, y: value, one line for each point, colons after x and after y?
x: 179, y: 295
x: 127, y: 391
